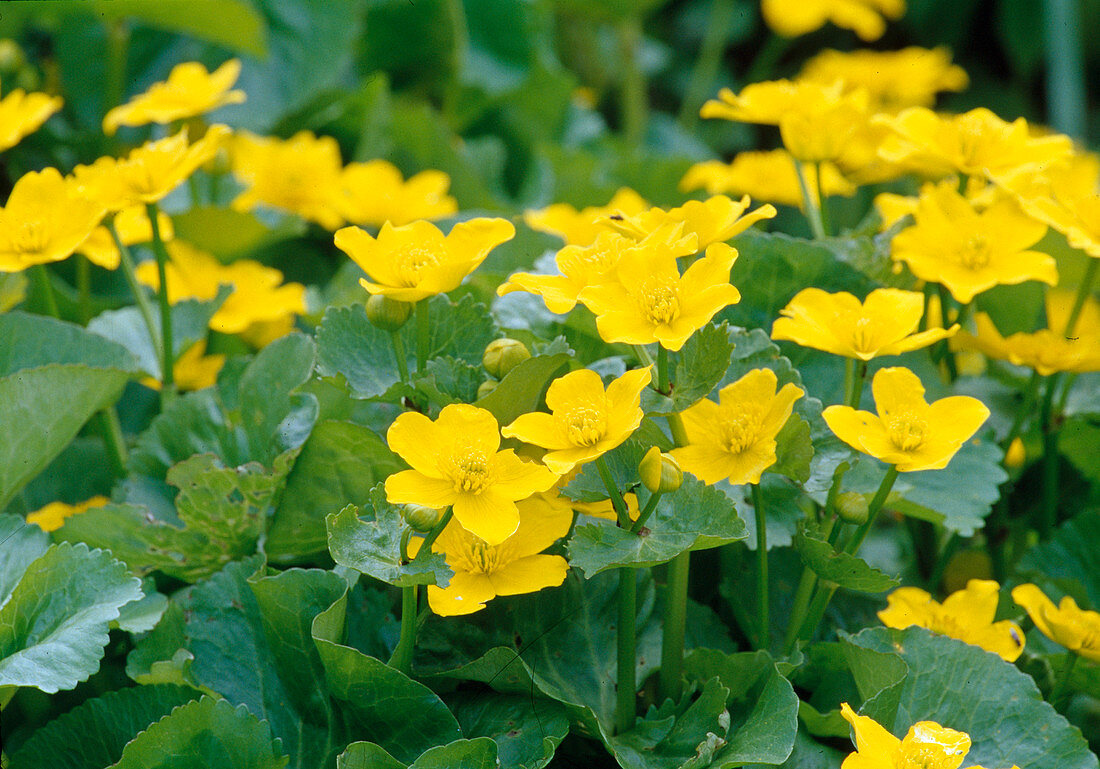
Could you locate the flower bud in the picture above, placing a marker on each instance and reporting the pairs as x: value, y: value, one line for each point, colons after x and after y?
x: 486, y: 387
x: 503, y: 355
x: 852, y: 507
x: 387, y: 314
x: 422, y: 519
x: 660, y: 473
x: 1016, y: 454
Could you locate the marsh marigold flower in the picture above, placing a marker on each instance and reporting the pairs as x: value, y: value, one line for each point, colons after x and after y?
x: 132, y: 226
x: 883, y: 324
x: 193, y: 370
x: 456, y: 461
x: 734, y: 439
x: 926, y: 745
x: 970, y: 251
x: 585, y: 421
x: 908, y: 432
x: 513, y: 567
x: 52, y: 516
x: 375, y: 193
x: 44, y: 220
x: 867, y: 18
x: 1047, y: 350
x: 414, y: 261
x: 258, y: 292
x: 190, y: 90
x: 644, y: 299
x: 714, y: 220
x: 23, y: 113
x: 301, y: 175
x: 894, y: 80
x: 965, y: 614
x: 768, y: 175
x: 149, y: 172
x: 1067, y: 198
x: 580, y: 228
x: 1067, y: 624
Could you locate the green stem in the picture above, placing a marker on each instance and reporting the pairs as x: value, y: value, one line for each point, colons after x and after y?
x: 647, y: 511
x: 42, y: 278
x: 138, y: 290
x: 705, y: 72
x: 1061, y: 688
x: 115, y: 442
x: 1031, y: 390
x: 1083, y: 292
x: 626, y: 683
x: 634, y: 101
x: 676, y: 427
x: 1048, y: 421
x: 857, y: 383
x: 822, y: 201
x: 433, y: 535
x: 403, y: 653
x: 84, y: 288
x: 423, y: 334
x: 1066, y: 88
x: 168, y: 358
x: 118, y: 43
x: 873, y: 510
x: 763, y: 66
x: 662, y: 370
x: 643, y: 355
x: 400, y: 354
x: 809, y: 205
x: 943, y: 349
x: 672, y: 641
x: 763, y: 641
x: 613, y: 493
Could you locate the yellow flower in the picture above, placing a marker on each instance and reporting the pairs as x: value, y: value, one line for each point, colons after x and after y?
x: 52, y: 516
x: 970, y: 251
x: 1066, y: 624
x: 893, y: 207
x: 375, y: 193
x: 455, y: 461
x: 23, y: 113
x: 583, y: 266
x: 44, y: 220
x: 149, y: 172
x: 867, y: 18
x: 734, y: 439
x: 189, y: 91
x: 977, y: 143
x: 302, y: 175
x: 1047, y: 350
x: 258, y: 293
x: 884, y: 324
x: 714, y: 220
x: 580, y: 228
x: 926, y: 745
x: 585, y: 421
x: 132, y: 226
x: 768, y: 175
x: 908, y: 432
x: 193, y: 370
x: 1068, y: 200
x: 894, y: 80
x: 513, y: 567
x: 966, y: 615
x: 644, y: 298
x: 414, y: 261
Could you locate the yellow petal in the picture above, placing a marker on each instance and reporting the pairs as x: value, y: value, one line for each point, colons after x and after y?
x: 465, y: 594
x: 529, y: 575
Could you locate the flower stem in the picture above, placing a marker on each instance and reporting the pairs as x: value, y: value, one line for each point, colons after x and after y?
x: 1083, y: 292
x: 613, y: 493
x: 142, y: 299
x: 705, y: 72
x: 423, y: 334
x: 822, y: 201
x: 1062, y: 686
x: 1048, y: 421
x: 1066, y: 92
x: 650, y: 506
x: 763, y: 641
x: 168, y: 359
x: 403, y: 653
x: 634, y: 101
x: 84, y: 288
x: 676, y: 427
x: 400, y: 355
x: 115, y: 442
x: 626, y: 683
x: 859, y: 376
x: 813, y: 213
x: 672, y: 641
x: 1031, y: 390
x: 42, y: 277
x: 433, y: 535
x: 662, y: 370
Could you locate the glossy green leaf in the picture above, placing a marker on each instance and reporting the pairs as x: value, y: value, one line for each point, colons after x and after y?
x: 447, y: 380
x: 20, y: 545
x: 367, y: 755
x: 1077, y: 442
x: 1071, y: 555
x: 526, y: 730
x: 274, y: 418
x: 227, y: 232
x: 847, y: 571
x: 53, y: 628
x: 522, y: 389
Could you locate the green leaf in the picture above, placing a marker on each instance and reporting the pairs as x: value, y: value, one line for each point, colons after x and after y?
x: 694, y: 517
x: 20, y: 545
x: 1072, y: 555
x: 143, y: 615
x: 33, y: 341
x: 479, y: 753
x: 367, y: 755
x: 622, y: 463
x: 522, y: 389
x: 526, y: 730
x: 963, y: 687
x: 205, y: 734
x: 53, y: 628
x: 1077, y: 442
x: 846, y: 570
x: 274, y: 418
x: 446, y: 381
x: 374, y: 547
x: 230, y: 233
x: 94, y: 734
x: 700, y: 365
x: 958, y: 497
x: 340, y: 463
x: 195, y: 423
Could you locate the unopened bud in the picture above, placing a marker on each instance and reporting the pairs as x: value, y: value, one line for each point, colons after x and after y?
x: 1016, y: 454
x: 503, y: 355
x: 387, y: 314
x: 660, y: 473
x: 422, y: 519
x: 852, y: 507
x: 486, y: 387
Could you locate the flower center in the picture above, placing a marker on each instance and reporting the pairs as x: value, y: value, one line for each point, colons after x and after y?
x: 863, y: 335
x: 923, y: 757
x: 659, y: 300
x: 471, y: 472
x: 740, y: 431
x: 411, y: 261
x: 585, y: 426
x: 31, y: 238
x: 484, y: 559
x: 906, y: 430
x: 974, y: 253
